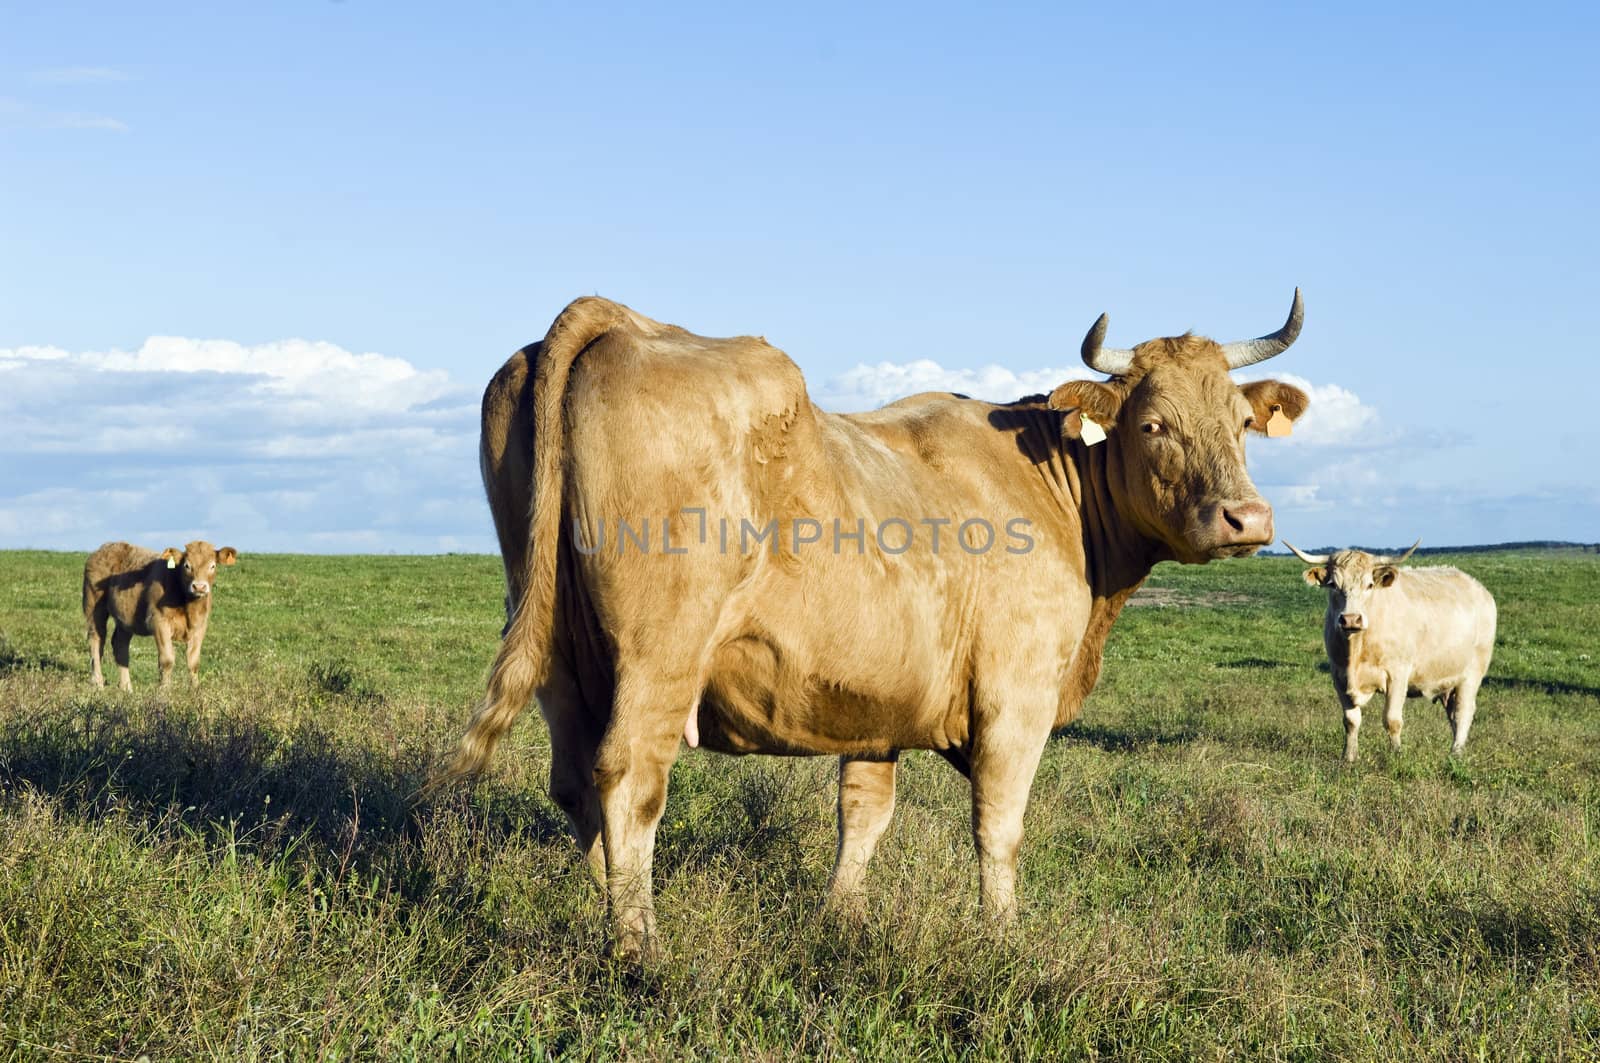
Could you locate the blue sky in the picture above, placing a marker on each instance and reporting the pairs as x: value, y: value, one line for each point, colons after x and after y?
x: 317, y: 201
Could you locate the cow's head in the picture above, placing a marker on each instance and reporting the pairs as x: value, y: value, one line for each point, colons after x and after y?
x: 1351, y: 577
x: 1175, y: 424
x: 197, y: 565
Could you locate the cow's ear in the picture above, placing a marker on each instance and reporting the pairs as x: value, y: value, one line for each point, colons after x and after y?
x: 227, y: 555
x: 172, y: 555
x: 1086, y: 398
x: 1315, y: 576
x: 1263, y: 395
x: 1385, y: 575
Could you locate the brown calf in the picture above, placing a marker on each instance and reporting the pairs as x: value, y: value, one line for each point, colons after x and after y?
x: 167, y: 595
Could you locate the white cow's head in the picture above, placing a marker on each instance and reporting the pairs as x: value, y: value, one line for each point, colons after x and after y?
x: 1351, y: 578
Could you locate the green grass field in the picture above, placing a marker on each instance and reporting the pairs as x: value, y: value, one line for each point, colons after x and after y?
x: 235, y: 871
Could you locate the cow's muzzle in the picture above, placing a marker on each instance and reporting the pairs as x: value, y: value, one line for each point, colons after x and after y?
x: 1234, y: 529
x: 1352, y: 622
x: 199, y: 590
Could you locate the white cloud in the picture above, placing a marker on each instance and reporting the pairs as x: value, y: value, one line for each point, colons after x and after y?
x: 18, y: 114
x: 81, y: 120
x: 77, y: 75
x: 292, y: 445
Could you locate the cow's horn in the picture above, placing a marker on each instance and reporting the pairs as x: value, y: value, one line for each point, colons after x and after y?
x: 1401, y: 559
x: 1249, y: 352
x: 1310, y: 559
x: 1112, y: 361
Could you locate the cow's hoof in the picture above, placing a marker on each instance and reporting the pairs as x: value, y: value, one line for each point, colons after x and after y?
x: 848, y: 909
x: 635, y: 950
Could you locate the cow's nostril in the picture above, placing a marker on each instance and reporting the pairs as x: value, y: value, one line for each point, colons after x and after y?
x: 1233, y: 522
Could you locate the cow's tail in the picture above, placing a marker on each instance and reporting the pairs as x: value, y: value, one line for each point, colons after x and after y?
x: 523, y: 662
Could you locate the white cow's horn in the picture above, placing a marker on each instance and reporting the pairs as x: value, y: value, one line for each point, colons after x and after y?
x: 1401, y: 559
x: 1249, y: 352
x: 1310, y: 559
x: 1112, y: 361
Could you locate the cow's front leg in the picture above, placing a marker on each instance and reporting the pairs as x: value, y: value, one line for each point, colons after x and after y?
x: 192, y: 654
x: 165, y: 653
x: 630, y: 774
x: 866, y: 801
x: 1395, y: 704
x: 1352, y: 721
x: 1005, y: 757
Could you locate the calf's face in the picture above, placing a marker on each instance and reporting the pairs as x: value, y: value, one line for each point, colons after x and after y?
x: 1351, y: 578
x: 197, y: 565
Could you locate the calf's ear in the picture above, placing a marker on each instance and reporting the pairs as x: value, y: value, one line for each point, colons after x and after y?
x: 172, y: 555
x: 1385, y: 575
x: 1315, y: 576
x: 1086, y: 398
x: 227, y: 555
x: 1263, y: 395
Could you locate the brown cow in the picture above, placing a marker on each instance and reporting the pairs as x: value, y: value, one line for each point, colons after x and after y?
x: 167, y: 595
x: 886, y: 637
x: 1422, y: 632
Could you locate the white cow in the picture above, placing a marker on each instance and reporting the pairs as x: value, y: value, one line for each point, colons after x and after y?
x: 1425, y: 632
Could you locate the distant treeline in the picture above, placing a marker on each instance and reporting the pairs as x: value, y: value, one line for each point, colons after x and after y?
x: 1538, y: 544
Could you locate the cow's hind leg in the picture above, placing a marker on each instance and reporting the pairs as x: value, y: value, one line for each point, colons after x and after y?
x: 866, y: 801
x: 630, y: 773
x: 574, y: 742
x: 1465, y: 701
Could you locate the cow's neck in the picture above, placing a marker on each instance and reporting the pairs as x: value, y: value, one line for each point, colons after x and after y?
x: 1117, y: 553
x: 1118, y: 556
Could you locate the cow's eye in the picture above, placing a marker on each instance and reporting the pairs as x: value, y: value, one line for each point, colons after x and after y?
x: 1153, y: 428
x: 1249, y: 423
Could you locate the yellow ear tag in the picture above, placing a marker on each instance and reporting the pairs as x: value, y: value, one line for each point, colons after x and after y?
x: 1090, y: 433
x: 1278, y: 424
x: 171, y: 563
